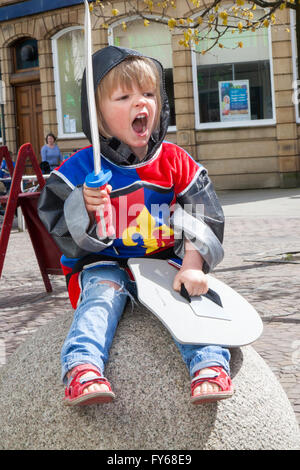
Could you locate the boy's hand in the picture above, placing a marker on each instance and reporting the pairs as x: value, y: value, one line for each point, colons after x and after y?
x: 95, y: 198
x: 194, y: 280
x: 190, y: 273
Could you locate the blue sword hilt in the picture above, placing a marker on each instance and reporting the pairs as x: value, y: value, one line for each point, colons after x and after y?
x: 103, y: 217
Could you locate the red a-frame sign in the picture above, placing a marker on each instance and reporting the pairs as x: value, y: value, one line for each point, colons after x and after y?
x: 46, y: 250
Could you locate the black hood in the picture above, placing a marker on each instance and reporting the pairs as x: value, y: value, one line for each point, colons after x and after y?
x: 103, y: 61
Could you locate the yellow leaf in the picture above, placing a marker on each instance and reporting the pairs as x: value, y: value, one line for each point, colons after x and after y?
x: 240, y: 25
x: 172, y: 23
x: 183, y: 42
x: 221, y: 45
x: 150, y: 5
x: 114, y: 11
x: 200, y: 19
x: 266, y: 23
x: 146, y: 23
x: 224, y: 15
x: 240, y: 44
x: 124, y: 26
x: 91, y: 7
x: 182, y: 21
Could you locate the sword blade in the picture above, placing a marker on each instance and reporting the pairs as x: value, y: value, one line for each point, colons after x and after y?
x: 90, y: 90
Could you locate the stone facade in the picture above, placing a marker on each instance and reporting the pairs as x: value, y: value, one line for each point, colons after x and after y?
x: 249, y: 157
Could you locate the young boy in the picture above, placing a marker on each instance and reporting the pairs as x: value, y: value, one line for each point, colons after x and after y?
x: 146, y: 172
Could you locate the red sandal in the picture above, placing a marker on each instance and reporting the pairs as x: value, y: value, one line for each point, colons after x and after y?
x: 216, y: 375
x: 74, y: 391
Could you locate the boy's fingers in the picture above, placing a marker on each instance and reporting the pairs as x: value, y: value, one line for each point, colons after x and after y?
x: 192, y: 287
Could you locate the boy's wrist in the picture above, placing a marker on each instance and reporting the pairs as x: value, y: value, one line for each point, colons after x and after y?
x: 192, y: 258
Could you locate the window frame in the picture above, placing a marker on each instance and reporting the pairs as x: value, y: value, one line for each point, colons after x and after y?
x: 232, y: 124
x: 2, y: 102
x: 294, y: 62
x: 111, y: 43
x: 60, y: 126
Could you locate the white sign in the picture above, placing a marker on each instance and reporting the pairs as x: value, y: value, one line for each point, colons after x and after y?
x: 234, y: 99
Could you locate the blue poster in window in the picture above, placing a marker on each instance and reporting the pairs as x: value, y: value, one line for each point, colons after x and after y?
x: 234, y: 100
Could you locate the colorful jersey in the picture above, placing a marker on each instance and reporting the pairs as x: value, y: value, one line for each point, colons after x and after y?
x: 144, y: 198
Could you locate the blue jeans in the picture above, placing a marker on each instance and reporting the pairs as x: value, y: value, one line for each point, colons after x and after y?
x: 96, y: 319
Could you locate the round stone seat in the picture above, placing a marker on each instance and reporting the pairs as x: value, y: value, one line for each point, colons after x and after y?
x: 152, y: 408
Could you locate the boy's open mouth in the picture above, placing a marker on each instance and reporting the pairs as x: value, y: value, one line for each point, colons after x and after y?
x: 139, y: 124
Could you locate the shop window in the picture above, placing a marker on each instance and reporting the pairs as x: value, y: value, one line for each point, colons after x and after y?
x: 234, y: 85
x: 69, y: 63
x: 153, y: 41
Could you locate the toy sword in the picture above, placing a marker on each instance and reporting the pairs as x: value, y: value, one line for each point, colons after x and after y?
x: 98, y: 178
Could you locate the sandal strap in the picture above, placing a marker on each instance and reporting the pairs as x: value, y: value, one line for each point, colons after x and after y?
x: 211, y: 374
x: 90, y: 376
x: 85, y: 374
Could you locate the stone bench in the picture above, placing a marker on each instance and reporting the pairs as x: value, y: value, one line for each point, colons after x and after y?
x: 152, y: 409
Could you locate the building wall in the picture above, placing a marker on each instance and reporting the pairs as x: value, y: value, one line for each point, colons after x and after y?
x: 255, y: 157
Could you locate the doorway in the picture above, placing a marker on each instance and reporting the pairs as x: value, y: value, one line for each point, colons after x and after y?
x: 29, y: 116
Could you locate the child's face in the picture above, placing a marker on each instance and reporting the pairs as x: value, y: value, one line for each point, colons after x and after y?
x: 129, y: 115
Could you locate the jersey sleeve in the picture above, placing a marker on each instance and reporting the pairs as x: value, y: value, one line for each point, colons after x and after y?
x: 198, y: 215
x: 57, y: 205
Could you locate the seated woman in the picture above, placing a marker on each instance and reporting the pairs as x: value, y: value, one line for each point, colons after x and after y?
x: 50, y: 152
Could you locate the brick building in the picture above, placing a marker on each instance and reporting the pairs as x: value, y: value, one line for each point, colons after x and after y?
x: 41, y: 63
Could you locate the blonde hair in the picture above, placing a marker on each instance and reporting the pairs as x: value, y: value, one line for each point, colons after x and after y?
x: 138, y: 71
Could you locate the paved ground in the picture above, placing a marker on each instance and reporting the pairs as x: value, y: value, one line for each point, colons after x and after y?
x: 258, y: 223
